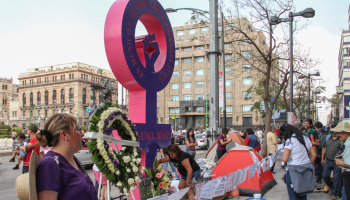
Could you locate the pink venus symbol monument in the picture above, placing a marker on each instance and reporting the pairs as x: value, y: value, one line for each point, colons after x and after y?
x: 143, y: 65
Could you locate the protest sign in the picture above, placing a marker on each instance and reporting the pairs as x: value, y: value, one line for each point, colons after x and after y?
x: 231, y: 181
x: 178, y: 195
x: 252, y: 170
x: 209, y: 188
x: 163, y: 197
x: 199, y: 188
x: 220, y: 189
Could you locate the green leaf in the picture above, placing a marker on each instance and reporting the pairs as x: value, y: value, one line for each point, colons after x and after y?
x: 93, y: 119
x: 92, y: 147
x: 149, y: 172
x: 104, y: 169
x: 108, y: 104
x: 100, y: 165
x: 95, y: 158
x: 111, y: 177
x: 155, y: 164
x: 93, y: 128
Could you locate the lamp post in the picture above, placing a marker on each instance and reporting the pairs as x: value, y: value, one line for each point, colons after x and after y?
x: 308, y: 101
x: 213, y: 60
x: 274, y: 20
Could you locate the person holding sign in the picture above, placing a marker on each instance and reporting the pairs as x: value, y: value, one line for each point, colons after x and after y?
x: 300, y: 177
x: 186, y: 165
x: 222, y: 142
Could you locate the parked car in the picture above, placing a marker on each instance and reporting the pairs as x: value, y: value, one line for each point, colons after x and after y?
x: 202, y: 141
x: 180, y: 137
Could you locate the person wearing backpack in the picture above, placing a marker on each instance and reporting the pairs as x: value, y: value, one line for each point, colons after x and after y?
x: 322, y: 135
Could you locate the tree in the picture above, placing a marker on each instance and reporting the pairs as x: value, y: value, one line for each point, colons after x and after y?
x: 335, y: 108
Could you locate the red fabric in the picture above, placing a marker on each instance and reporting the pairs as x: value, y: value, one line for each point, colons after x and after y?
x: 277, y: 131
x: 257, y: 149
x: 227, y: 166
x: 247, y: 141
x: 36, y: 148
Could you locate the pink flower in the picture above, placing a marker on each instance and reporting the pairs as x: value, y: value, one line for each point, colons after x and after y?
x: 161, y: 185
x: 159, y: 176
x: 172, y: 189
x: 159, y: 167
x: 165, y: 168
x: 163, y: 171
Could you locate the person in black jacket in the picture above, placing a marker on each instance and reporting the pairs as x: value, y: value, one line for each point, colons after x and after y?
x: 322, y: 135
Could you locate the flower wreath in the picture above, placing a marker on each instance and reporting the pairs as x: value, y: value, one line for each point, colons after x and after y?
x: 123, y: 168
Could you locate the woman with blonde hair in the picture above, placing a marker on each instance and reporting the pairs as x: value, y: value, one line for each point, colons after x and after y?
x: 59, y: 174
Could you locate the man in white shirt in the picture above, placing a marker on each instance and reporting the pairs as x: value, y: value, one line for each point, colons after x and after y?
x: 260, y: 135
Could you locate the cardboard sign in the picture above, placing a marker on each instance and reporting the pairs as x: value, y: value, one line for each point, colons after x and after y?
x: 209, y: 188
x: 221, y: 188
x: 199, y: 188
x: 178, y: 195
x: 232, y: 181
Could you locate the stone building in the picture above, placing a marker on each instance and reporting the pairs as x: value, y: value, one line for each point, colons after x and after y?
x: 69, y: 88
x: 8, y: 94
x: 186, y: 96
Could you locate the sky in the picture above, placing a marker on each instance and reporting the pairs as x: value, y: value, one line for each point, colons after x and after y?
x: 41, y: 33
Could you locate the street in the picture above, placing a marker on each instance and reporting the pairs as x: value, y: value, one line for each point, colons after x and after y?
x: 8, y: 176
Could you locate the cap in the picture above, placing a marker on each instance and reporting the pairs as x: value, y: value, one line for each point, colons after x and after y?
x: 33, y: 128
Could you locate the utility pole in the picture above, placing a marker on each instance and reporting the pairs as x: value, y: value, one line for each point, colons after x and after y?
x: 214, y: 72
x: 175, y: 118
x: 206, y: 111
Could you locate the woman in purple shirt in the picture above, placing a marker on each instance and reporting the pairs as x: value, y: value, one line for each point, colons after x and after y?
x: 222, y: 141
x: 191, y: 143
x: 59, y: 174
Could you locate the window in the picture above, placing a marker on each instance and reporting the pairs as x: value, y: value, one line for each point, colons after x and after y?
x: 228, y: 83
x: 84, y: 96
x: 346, y: 74
x: 176, y: 61
x: 228, y: 109
x: 200, y: 47
x: 247, y: 108
x: 176, y: 74
x: 38, y: 113
x: 24, y: 99
x: 229, y: 95
x: 346, y: 38
x: 30, y: 114
x: 204, y: 30
x: 46, y: 98
x: 228, y: 57
x: 71, y: 94
x: 245, y: 42
x: 192, y: 31
x: 187, y: 49
x: 199, y: 109
x: 177, y: 50
x: 54, y: 97
x: 247, y: 95
x: 188, y: 109
x: 199, y: 72
x: 346, y: 86
x: 187, y: 85
x: 174, y: 110
x: 346, y: 62
x: 346, y: 50
x: 200, y: 59
x: 174, y: 86
x: 246, y: 68
x: 39, y: 99
x: 62, y: 96
x: 31, y: 99
x: 199, y: 84
x: 174, y: 97
x: 187, y: 60
x: 70, y: 110
x: 187, y: 72
x: 247, y: 54
x: 228, y: 69
x: 24, y: 113
x: 179, y: 33
x: 46, y: 113
x: 228, y: 45
x: 199, y: 96
x: 247, y: 81
x: 93, y: 98
x: 187, y: 97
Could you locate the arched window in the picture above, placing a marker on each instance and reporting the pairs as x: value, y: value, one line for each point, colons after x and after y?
x: 31, y: 99
x: 62, y: 96
x: 54, y: 97
x: 24, y: 99
x: 39, y: 99
x: 46, y: 98
x: 84, y: 96
x: 93, y: 98
x: 71, y: 93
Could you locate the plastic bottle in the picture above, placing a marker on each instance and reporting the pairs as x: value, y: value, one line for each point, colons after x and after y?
x: 235, y: 193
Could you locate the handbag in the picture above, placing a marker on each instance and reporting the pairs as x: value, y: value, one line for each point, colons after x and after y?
x: 191, y: 152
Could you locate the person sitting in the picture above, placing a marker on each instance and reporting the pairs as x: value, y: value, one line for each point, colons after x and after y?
x: 22, y: 154
x: 187, y: 167
x: 252, y: 140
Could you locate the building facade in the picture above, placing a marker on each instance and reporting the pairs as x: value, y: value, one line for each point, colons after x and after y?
x: 8, y: 95
x: 185, y: 99
x: 344, y: 77
x: 69, y: 88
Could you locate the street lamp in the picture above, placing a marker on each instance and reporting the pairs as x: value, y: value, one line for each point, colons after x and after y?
x: 308, y: 101
x: 274, y: 20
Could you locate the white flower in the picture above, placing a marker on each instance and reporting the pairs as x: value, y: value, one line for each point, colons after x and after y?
x: 131, y: 181
x: 138, y: 161
x: 135, y: 169
x: 125, y: 190
x: 99, y: 141
x: 132, y: 164
x: 103, y: 153
x: 99, y: 145
x: 126, y: 159
x: 104, y: 115
x: 128, y: 170
x: 118, y: 172
x: 110, y: 166
x: 133, y: 138
x: 132, y: 188
x: 119, y: 184
x: 135, y: 154
x: 137, y: 179
x: 133, y: 159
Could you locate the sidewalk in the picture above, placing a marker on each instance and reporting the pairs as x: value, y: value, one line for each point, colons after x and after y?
x: 6, y: 150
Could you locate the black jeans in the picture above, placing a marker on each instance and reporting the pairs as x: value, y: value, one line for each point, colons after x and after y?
x: 25, y: 169
x: 220, y: 153
x: 346, y: 182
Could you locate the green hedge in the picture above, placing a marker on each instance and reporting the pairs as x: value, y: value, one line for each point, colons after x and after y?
x: 5, y: 127
x: 17, y: 130
x: 3, y: 132
x: 5, y: 136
